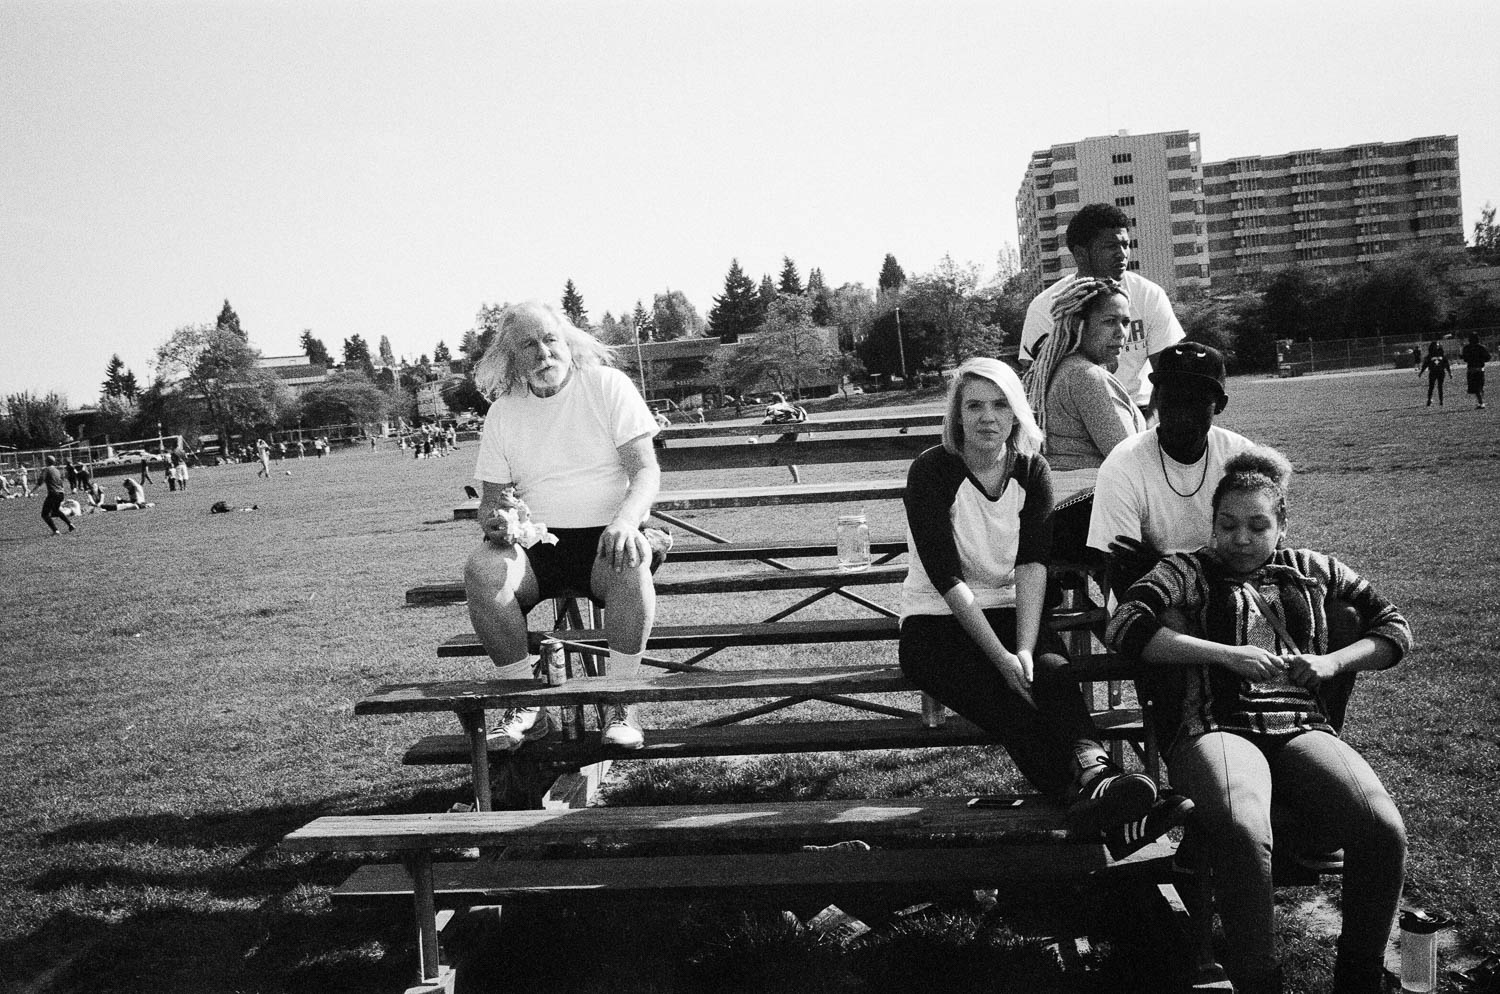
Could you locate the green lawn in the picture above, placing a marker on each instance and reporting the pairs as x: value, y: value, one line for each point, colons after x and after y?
x: 179, y: 691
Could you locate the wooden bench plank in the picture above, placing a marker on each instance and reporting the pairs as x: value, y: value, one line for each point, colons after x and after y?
x: 706, y: 636
x: 762, y: 738
x: 792, y: 493
x: 821, y: 425
x: 763, y: 496
x: 696, y: 685
x: 1031, y: 817
x: 1011, y: 869
x: 699, y: 685
x: 671, y: 582
x: 874, y: 629
x: 677, y: 457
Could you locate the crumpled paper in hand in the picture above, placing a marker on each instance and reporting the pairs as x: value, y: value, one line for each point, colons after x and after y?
x: 522, y: 530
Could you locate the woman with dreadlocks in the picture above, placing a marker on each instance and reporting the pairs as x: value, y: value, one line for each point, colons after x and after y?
x: 1083, y: 411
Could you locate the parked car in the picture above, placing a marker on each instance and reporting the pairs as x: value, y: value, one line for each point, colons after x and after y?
x: 136, y: 455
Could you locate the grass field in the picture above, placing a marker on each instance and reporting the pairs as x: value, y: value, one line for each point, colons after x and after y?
x: 179, y: 691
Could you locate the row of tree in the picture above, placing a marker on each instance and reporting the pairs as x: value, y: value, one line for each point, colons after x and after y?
x: 209, y: 380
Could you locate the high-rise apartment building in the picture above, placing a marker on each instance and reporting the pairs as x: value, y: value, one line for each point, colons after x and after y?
x: 1331, y: 208
x: 1156, y: 179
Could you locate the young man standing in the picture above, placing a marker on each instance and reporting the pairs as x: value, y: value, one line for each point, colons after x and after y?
x: 1098, y: 238
x: 56, y: 485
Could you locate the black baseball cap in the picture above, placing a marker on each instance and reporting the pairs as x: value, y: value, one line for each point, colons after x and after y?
x: 1188, y: 363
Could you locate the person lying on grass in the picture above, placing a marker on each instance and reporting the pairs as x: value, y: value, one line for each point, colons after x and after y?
x: 569, y: 437
x: 979, y: 527
x: 1245, y: 717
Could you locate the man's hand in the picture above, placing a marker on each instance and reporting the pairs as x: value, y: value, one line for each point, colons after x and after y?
x: 623, y: 546
x: 1309, y: 670
x: 1129, y: 560
x: 498, y: 527
x: 1252, y: 662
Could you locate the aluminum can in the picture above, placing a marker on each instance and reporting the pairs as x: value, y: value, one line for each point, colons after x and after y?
x: 554, y: 663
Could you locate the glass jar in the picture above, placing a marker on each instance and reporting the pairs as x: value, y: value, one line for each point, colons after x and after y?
x: 853, y: 542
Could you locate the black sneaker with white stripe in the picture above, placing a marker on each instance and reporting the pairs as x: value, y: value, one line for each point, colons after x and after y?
x: 1111, y: 798
x: 1166, y: 814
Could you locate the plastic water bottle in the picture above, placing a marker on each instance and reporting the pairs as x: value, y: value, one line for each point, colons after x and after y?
x: 853, y: 543
x: 1419, y: 951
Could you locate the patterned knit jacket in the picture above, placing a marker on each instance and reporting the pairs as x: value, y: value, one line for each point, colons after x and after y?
x: 1187, y: 701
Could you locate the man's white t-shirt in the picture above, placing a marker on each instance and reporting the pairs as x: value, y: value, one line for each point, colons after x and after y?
x: 1139, y: 493
x: 1153, y: 327
x: 561, y: 452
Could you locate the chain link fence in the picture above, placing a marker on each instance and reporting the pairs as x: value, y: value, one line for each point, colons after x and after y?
x: 1395, y: 351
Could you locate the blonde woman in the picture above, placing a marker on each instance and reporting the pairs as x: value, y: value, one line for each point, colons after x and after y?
x: 979, y: 530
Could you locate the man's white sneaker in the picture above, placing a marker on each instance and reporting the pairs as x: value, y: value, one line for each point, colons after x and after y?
x: 518, y: 725
x: 620, y: 727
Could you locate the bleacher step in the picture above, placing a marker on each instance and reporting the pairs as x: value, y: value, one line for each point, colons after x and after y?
x: 763, y: 738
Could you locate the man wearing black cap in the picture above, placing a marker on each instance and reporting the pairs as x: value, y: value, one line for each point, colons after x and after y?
x: 1154, y: 493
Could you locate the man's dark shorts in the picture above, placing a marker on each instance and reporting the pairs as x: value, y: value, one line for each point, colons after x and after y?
x: 567, y: 567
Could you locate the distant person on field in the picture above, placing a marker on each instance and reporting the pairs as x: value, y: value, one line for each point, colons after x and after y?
x: 1248, y: 718
x: 71, y: 472
x: 569, y: 436
x: 179, y: 468
x: 85, y: 478
x: 1081, y: 408
x: 56, y: 486
x: 263, y: 453
x: 146, y: 468
x: 1436, y: 367
x: 1475, y: 356
x: 1098, y: 238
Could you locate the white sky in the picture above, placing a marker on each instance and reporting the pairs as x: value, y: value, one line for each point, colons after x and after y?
x: 386, y: 168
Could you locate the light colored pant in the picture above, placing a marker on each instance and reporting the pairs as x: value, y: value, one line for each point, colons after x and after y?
x: 1329, y: 788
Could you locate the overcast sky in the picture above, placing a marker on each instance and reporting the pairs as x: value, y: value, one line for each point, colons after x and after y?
x: 385, y: 168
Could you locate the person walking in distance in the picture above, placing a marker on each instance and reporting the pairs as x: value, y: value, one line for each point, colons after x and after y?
x: 1436, y: 367
x: 1475, y: 356
x: 56, y: 486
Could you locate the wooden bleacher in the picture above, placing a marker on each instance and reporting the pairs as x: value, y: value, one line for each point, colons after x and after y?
x: 1017, y: 849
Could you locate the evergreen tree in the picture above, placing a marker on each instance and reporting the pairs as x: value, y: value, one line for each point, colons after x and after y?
x: 791, y: 282
x: 615, y: 331
x: 230, y: 321
x: 572, y: 305
x: 118, y: 381
x: 768, y: 297
x: 317, y: 352
x: 387, y: 357
x: 737, y: 311
x: 818, y: 293
x: 644, y: 323
x: 357, y: 355
x: 441, y: 353
x: 892, y: 277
